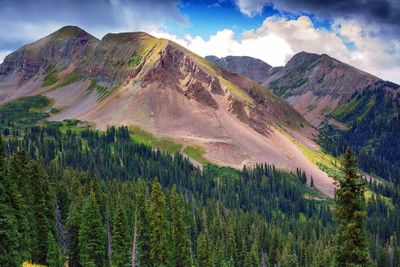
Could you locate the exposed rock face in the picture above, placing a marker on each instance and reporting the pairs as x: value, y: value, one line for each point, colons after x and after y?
x: 250, y: 67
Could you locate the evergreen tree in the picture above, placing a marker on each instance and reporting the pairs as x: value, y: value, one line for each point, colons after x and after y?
x: 91, y: 235
x: 53, y: 257
x: 253, y: 256
x: 9, y: 236
x: 142, y: 245
x: 43, y: 210
x: 120, y: 239
x: 159, y: 246
x: 203, y: 251
x: 74, y: 221
x: 179, y: 232
x: 351, y: 241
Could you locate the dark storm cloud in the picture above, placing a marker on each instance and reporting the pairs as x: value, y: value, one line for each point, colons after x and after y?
x: 24, y: 21
x: 383, y: 16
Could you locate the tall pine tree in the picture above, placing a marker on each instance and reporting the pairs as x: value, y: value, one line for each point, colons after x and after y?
x: 9, y: 235
x: 91, y: 235
x: 351, y: 241
x: 160, y: 253
x: 120, y: 239
x: 179, y: 231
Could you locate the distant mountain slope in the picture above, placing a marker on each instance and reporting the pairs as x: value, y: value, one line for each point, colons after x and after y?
x: 351, y: 107
x: 137, y: 79
x: 316, y: 84
x: 313, y: 84
x: 373, y: 119
x: 249, y: 67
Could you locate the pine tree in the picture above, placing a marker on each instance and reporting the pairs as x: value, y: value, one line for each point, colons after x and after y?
x: 203, y: 251
x: 180, y: 231
x: 74, y: 221
x: 120, y: 239
x: 53, y: 257
x: 159, y: 246
x: 9, y: 235
x: 350, y: 215
x: 142, y: 245
x: 253, y: 256
x: 43, y: 210
x: 19, y: 197
x: 91, y: 235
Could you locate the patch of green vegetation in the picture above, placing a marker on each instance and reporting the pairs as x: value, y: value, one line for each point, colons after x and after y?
x: 24, y: 111
x: 103, y: 92
x: 54, y: 110
x: 135, y: 59
x: 70, y: 125
x: 368, y: 194
x: 163, y: 143
x: 91, y: 87
x: 196, y: 153
x: 51, y: 77
x: 332, y: 172
x: 346, y: 108
x: 222, y: 172
x: 70, y: 79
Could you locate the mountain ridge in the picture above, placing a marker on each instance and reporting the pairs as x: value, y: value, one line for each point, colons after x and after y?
x: 315, y: 85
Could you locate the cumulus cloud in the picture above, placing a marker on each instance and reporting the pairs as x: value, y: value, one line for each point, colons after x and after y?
x: 251, y: 7
x: 279, y: 38
x: 382, y: 16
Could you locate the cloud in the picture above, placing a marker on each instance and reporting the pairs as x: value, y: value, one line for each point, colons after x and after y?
x: 279, y: 38
x: 25, y: 21
x: 251, y: 7
x: 381, y: 16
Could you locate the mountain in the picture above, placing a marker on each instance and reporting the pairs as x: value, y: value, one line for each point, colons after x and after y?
x: 313, y: 84
x: 351, y: 108
x: 249, y: 67
x: 138, y: 80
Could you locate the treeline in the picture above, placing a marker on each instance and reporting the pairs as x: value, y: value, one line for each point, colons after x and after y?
x: 99, y: 199
x: 374, y: 119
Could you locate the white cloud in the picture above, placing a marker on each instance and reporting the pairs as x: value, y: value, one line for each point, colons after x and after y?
x: 251, y: 7
x: 279, y: 38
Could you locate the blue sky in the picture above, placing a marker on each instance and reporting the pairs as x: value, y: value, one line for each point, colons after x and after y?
x: 363, y: 33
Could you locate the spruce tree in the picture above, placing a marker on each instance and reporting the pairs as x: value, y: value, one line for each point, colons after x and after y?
x: 74, y: 221
x: 9, y: 235
x: 350, y: 215
x: 253, y: 256
x: 53, y: 257
x: 159, y: 246
x: 179, y: 231
x: 142, y: 226
x: 120, y: 239
x: 91, y: 235
x: 203, y: 251
x: 43, y: 210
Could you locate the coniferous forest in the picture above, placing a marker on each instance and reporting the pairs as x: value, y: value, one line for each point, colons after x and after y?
x: 94, y: 198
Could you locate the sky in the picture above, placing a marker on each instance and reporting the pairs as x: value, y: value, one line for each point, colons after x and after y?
x: 362, y: 33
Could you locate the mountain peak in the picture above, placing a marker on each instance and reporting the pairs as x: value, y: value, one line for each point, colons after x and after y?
x: 253, y: 68
x: 69, y: 31
x: 126, y: 37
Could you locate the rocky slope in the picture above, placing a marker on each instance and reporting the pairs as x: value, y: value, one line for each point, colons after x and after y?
x: 136, y: 79
x: 313, y: 84
x: 249, y: 67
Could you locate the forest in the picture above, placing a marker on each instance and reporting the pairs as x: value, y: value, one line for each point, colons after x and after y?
x: 92, y: 198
